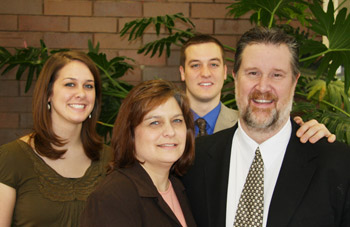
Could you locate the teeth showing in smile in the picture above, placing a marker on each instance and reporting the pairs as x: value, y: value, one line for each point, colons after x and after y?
x: 263, y: 101
x: 206, y: 84
x: 168, y: 145
x: 77, y: 106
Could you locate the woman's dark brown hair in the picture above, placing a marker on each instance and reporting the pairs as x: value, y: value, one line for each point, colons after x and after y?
x: 43, y: 135
x: 141, y: 100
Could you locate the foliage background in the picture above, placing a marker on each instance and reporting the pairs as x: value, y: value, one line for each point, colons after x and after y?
x: 320, y: 94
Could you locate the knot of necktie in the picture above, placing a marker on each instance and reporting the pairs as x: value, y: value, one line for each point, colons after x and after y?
x: 202, y: 126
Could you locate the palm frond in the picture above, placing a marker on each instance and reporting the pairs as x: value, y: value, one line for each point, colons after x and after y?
x: 136, y: 28
x: 158, y: 45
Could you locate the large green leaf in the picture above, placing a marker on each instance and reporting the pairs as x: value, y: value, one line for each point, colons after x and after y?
x: 332, y: 93
x: 266, y: 12
x: 337, y: 31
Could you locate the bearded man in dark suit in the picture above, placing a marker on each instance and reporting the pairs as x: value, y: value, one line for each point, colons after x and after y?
x: 303, y: 184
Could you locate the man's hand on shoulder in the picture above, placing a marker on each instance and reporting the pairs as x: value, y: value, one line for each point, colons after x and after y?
x: 312, y: 131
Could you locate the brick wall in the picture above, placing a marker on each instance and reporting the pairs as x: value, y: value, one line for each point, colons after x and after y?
x: 71, y: 23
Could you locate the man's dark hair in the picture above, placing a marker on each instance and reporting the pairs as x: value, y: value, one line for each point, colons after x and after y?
x: 199, y: 39
x: 261, y: 35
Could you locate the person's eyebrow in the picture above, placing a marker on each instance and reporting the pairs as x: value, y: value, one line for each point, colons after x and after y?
x: 197, y: 60
x: 75, y: 79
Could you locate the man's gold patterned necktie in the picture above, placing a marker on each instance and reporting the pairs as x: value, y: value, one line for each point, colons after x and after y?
x: 250, y: 209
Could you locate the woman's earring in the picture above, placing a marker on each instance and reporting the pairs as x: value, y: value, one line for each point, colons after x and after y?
x: 49, y: 106
x: 89, y: 115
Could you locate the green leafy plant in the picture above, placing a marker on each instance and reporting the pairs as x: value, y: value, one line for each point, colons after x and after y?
x: 175, y: 36
x: 326, y: 102
x: 30, y: 58
x: 114, y: 90
x: 267, y: 12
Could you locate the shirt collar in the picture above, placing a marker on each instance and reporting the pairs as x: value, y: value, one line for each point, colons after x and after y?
x: 269, y: 149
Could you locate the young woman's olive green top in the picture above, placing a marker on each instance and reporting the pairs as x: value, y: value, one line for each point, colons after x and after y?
x: 43, y: 197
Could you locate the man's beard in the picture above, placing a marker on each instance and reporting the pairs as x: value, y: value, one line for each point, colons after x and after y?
x: 271, y: 118
x: 251, y: 121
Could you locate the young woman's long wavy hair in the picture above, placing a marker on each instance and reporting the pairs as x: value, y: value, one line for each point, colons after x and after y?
x: 43, y: 135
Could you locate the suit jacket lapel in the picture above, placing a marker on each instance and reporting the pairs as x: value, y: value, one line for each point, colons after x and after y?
x: 216, y: 175
x: 294, y: 178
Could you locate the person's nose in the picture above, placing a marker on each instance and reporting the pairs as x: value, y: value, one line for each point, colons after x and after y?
x: 168, y: 130
x: 263, y: 83
x: 205, y: 71
x: 81, y: 93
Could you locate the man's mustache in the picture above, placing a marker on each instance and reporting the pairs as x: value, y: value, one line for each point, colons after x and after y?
x: 258, y: 95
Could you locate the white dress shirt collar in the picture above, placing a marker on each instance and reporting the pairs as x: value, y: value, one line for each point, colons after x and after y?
x: 270, y: 148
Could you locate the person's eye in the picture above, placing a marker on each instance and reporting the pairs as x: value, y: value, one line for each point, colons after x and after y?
x: 253, y: 73
x: 214, y: 65
x: 155, y: 123
x: 194, y: 66
x: 277, y: 75
x: 89, y: 86
x: 69, y: 85
x: 178, y: 121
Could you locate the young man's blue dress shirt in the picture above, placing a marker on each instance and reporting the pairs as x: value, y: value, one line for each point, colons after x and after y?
x: 210, y: 118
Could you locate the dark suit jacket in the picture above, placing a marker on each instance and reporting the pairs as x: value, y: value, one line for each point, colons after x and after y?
x: 127, y: 197
x: 312, y: 188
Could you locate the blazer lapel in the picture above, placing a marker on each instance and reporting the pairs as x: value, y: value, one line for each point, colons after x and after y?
x: 183, y: 201
x: 164, y: 206
x: 294, y: 178
x: 146, y: 188
x: 216, y: 175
